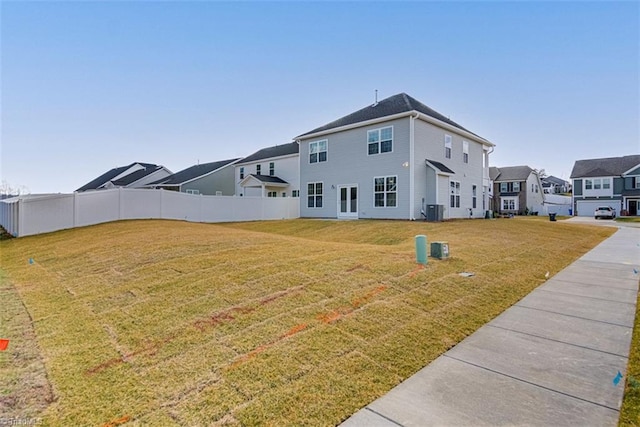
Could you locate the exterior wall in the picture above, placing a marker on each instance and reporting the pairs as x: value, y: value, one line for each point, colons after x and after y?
x: 534, y: 194
x: 608, y: 197
x: 348, y: 163
x: 287, y: 168
x: 220, y: 180
x: 429, y: 144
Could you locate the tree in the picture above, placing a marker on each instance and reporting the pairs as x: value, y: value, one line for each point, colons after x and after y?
x: 6, y: 189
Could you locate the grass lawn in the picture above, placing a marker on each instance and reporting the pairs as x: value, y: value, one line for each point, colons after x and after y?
x: 628, y: 219
x: 278, y: 323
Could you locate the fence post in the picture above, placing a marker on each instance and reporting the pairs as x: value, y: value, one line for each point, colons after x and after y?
x: 20, y: 217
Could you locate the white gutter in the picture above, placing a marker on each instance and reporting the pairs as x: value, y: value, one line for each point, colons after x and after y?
x: 454, y: 129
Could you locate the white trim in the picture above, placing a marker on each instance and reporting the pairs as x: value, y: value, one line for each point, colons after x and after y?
x: 326, y: 151
x: 385, y: 192
x: 635, y: 167
x: 379, y: 130
x: 347, y: 214
x: 285, y: 156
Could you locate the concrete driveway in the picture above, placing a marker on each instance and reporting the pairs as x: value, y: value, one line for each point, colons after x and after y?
x: 602, y: 222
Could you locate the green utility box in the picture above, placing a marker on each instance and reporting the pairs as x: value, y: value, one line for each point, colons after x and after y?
x: 440, y: 250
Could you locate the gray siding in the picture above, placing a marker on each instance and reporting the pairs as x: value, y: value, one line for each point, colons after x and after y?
x: 619, y: 185
x: 429, y: 144
x: 348, y: 163
x: 636, y: 171
x: 577, y: 187
x: 221, y: 180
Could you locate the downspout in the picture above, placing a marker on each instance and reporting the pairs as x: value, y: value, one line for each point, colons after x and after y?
x: 412, y: 196
x: 487, y: 203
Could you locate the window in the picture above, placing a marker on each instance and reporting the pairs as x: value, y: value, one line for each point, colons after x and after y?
x: 509, y: 204
x: 258, y: 169
x: 284, y: 194
x: 455, y: 194
x: 272, y: 168
x: 447, y: 146
x: 242, y: 173
x: 380, y: 140
x: 474, y: 192
x: 588, y: 184
x: 385, y: 191
x: 295, y: 193
x: 272, y: 194
x: 218, y: 193
x: 511, y: 187
x: 314, y: 195
x: 606, y: 183
x: 597, y: 184
x: 465, y: 151
x: 191, y: 191
x: 636, y: 182
x: 318, y: 151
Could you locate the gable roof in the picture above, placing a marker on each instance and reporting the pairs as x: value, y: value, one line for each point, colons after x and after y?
x: 267, y: 179
x: 553, y: 180
x: 439, y: 166
x: 146, y: 169
x: 193, y: 172
x: 510, y: 173
x: 270, y: 152
x: 396, y: 104
x: 610, y: 166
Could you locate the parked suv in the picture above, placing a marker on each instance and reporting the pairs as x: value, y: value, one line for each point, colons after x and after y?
x: 605, y: 212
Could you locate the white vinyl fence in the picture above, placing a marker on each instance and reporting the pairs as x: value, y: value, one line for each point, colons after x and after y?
x: 28, y: 215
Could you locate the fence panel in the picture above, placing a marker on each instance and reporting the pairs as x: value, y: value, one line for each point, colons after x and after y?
x: 24, y: 216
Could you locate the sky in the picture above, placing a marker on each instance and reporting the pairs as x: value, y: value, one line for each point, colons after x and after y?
x: 89, y: 86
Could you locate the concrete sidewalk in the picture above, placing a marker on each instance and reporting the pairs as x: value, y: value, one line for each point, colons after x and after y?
x: 551, y: 359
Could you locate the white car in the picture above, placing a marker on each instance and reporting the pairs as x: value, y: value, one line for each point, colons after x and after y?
x: 605, y: 212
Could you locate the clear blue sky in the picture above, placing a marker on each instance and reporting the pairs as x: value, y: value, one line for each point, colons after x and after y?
x: 88, y: 86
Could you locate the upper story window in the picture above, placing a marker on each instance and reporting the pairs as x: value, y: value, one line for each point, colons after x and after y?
x: 242, y: 173
x: 192, y: 191
x: 380, y: 140
x: 465, y: 151
x: 258, y: 169
x: 447, y: 146
x: 318, y: 151
x: 597, y: 184
x: 272, y: 168
x: 509, y: 187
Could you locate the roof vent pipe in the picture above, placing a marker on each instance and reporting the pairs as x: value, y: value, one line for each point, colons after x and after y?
x: 375, y: 102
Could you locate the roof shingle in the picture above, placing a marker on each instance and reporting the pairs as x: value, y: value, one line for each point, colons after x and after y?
x: 270, y: 152
x: 610, y: 166
x: 192, y: 172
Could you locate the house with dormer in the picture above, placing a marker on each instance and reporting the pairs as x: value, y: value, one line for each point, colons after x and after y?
x: 395, y: 159
x: 270, y: 172
x: 611, y: 181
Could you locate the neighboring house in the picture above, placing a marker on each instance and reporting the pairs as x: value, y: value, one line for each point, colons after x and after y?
x: 516, y: 190
x: 209, y: 179
x: 270, y: 172
x: 554, y: 185
x: 134, y: 175
x: 613, y: 181
x: 395, y: 159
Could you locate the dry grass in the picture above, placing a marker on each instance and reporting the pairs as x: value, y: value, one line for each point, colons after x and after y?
x: 277, y: 323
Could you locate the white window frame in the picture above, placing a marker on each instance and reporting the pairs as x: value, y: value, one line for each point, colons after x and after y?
x: 192, y: 191
x: 454, y: 190
x: 512, y: 203
x: 315, y: 196
x: 316, y: 148
x: 447, y: 146
x: 588, y: 184
x: 390, y: 188
x: 474, y: 196
x: 636, y: 182
x: 295, y: 193
x: 242, y: 172
x: 378, y: 141
x: 606, y: 183
x: 465, y: 151
x: 258, y: 169
x: 272, y: 194
x: 272, y: 168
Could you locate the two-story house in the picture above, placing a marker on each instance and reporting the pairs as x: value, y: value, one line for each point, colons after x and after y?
x: 612, y: 181
x: 208, y: 179
x: 135, y: 175
x: 516, y: 190
x: 269, y: 172
x: 395, y: 159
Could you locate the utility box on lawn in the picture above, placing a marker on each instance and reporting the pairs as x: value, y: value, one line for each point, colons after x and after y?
x: 440, y: 250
